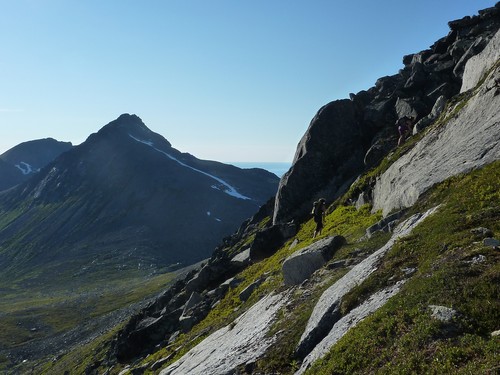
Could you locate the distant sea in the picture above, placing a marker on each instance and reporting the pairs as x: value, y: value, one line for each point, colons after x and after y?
x: 279, y: 169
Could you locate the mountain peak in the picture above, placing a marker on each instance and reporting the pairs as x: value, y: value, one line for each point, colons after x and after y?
x: 128, y: 122
x: 130, y: 118
x: 131, y: 125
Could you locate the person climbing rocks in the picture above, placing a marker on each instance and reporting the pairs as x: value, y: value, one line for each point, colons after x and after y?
x: 318, y: 213
x: 405, y: 127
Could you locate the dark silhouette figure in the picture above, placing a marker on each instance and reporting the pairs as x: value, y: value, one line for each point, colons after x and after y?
x: 318, y: 212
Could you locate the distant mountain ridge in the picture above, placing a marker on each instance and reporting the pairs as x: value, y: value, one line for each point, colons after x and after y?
x: 278, y: 168
x: 126, y: 199
x: 27, y: 158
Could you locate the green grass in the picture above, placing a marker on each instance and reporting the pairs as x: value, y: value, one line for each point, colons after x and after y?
x: 56, y: 310
x: 401, y: 338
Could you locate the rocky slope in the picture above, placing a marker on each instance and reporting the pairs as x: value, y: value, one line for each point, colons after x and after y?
x: 348, y: 137
x: 404, y: 278
x: 464, y: 142
x: 10, y: 175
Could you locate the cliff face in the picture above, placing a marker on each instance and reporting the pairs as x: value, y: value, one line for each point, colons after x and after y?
x: 468, y: 140
x: 411, y: 291
x: 347, y: 137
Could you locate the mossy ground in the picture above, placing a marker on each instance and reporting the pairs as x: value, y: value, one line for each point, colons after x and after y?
x: 453, y: 269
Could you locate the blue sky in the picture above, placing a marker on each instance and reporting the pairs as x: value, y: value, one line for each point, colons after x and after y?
x: 227, y: 80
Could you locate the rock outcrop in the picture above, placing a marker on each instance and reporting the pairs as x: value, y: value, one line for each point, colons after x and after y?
x: 327, y: 310
x: 345, y: 138
x: 350, y: 320
x: 240, y: 343
x: 327, y: 158
x: 301, y: 264
x: 470, y: 139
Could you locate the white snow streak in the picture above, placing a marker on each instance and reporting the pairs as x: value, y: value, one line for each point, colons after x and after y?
x: 228, y: 188
x: 25, y: 168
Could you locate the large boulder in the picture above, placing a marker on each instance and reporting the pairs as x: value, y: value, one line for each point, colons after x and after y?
x: 478, y: 65
x: 329, y: 156
x: 301, y: 264
x: 269, y: 240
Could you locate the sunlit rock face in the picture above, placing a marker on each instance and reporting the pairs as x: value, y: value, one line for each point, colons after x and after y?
x: 469, y: 140
x: 347, y: 137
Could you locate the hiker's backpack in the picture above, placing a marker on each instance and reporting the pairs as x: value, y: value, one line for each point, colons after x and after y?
x: 315, y: 206
x: 314, y: 210
x: 402, y: 121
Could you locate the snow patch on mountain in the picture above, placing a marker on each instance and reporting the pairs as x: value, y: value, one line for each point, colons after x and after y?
x: 228, y: 189
x: 26, y: 168
x: 216, y: 218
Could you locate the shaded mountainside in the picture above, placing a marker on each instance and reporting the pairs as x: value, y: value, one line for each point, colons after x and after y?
x: 22, y: 161
x: 9, y: 175
x: 399, y: 282
x: 124, y: 199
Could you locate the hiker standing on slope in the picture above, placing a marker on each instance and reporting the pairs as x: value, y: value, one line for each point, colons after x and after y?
x: 405, y: 126
x: 318, y: 213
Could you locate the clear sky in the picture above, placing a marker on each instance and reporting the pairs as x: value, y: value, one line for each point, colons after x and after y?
x: 227, y: 80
